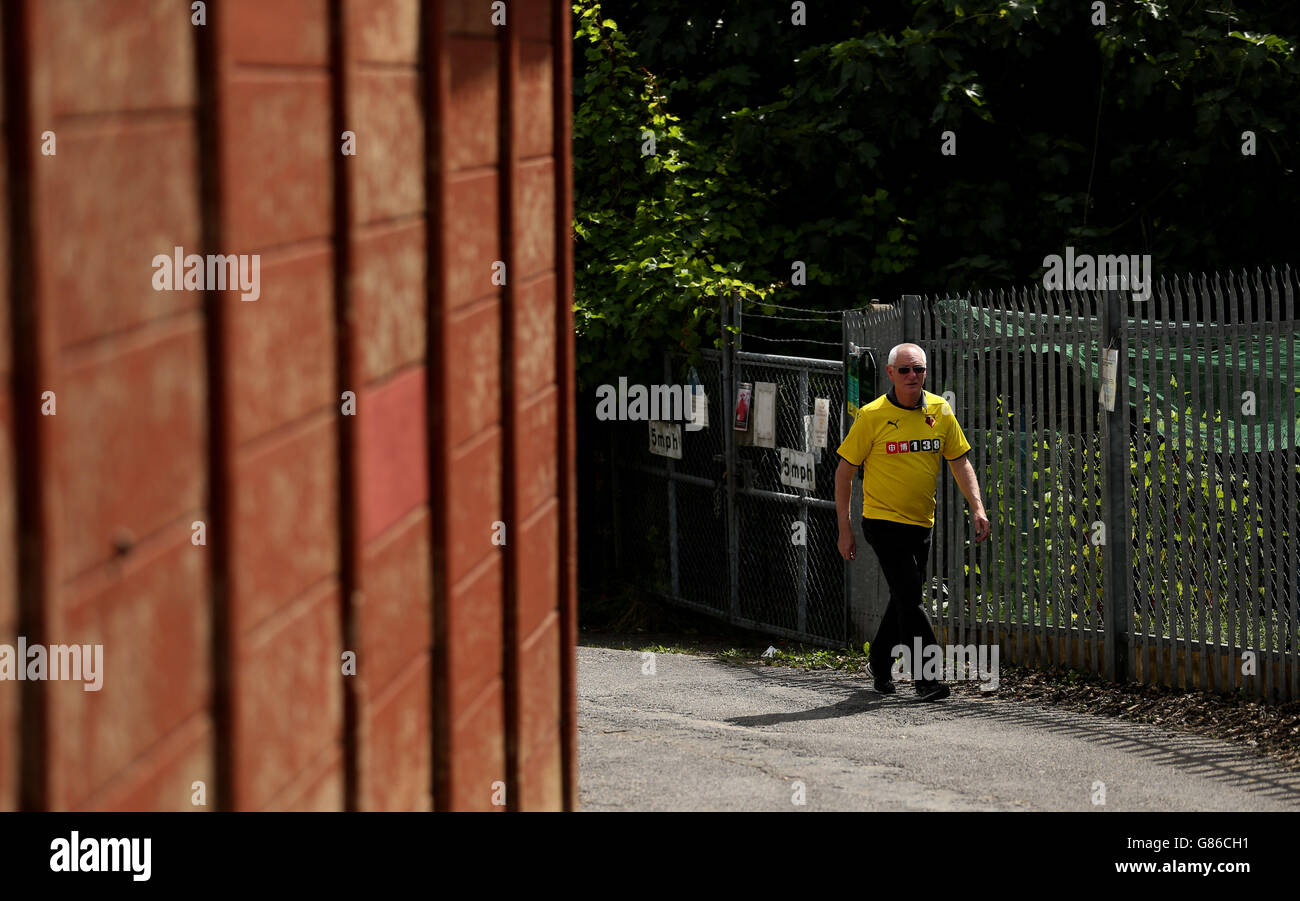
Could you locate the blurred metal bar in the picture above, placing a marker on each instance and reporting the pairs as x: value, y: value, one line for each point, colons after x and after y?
x: 659, y: 473
x: 510, y: 223
x: 816, y: 503
x: 34, y: 362
x: 802, y: 364
x: 562, y: 102
x: 347, y: 377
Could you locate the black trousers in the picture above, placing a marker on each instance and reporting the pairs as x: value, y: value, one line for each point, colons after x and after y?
x: 903, y: 551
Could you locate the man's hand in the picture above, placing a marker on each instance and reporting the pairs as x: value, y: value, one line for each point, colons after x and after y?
x: 848, y: 544
x: 964, y: 473
x: 843, y: 493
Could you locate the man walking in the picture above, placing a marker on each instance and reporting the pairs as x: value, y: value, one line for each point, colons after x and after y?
x: 899, y: 437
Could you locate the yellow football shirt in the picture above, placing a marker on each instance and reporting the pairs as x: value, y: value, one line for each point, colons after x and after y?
x: 901, y: 448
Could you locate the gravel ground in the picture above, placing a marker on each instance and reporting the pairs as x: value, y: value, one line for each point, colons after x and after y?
x: 1269, y: 729
x: 714, y: 733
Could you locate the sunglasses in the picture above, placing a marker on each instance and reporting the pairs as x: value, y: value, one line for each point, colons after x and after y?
x: 904, y: 370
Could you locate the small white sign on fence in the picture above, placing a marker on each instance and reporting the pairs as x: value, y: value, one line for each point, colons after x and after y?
x: 666, y: 439
x: 699, y: 404
x: 808, y: 445
x: 765, y: 414
x: 1109, y: 367
x: 821, y: 413
x: 798, y: 470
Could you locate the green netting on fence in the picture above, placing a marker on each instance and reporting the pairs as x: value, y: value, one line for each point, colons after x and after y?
x: 1214, y: 366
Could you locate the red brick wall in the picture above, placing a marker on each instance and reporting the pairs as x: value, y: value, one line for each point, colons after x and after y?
x: 471, y: 632
x: 536, y: 407
x: 9, y: 727
x: 368, y: 533
x: 387, y: 227
x: 125, y: 474
x: 275, y: 181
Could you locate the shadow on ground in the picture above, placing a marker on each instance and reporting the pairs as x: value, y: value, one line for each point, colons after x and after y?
x: 1205, y: 756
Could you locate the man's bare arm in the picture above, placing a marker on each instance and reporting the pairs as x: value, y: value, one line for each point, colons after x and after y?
x: 964, y: 474
x: 848, y: 544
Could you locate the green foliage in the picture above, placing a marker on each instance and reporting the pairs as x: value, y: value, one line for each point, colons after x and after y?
x: 821, y: 143
x: 648, y: 274
x: 844, y: 659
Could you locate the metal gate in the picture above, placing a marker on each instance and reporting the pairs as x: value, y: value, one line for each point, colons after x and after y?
x: 718, y: 531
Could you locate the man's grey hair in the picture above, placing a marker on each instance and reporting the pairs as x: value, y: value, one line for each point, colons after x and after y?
x: 893, y: 354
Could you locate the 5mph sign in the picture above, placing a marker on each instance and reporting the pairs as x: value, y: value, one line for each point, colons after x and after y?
x: 798, y: 470
x: 666, y: 439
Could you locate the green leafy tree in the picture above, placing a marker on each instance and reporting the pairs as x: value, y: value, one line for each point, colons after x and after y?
x: 824, y: 143
x: 648, y: 272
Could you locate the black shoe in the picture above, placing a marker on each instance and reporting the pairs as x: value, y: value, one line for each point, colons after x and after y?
x: 931, y: 691
x: 883, y: 686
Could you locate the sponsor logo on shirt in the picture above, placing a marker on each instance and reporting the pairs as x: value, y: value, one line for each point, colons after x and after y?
x: 928, y: 445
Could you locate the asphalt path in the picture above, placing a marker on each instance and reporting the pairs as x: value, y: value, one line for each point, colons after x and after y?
x: 701, y: 734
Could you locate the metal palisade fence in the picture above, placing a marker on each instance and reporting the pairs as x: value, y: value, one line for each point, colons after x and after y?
x: 1158, y: 540
x: 722, y: 529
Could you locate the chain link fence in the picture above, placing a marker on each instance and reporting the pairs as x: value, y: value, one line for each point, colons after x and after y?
x: 718, y: 530
x: 669, y: 519
x: 791, y: 573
